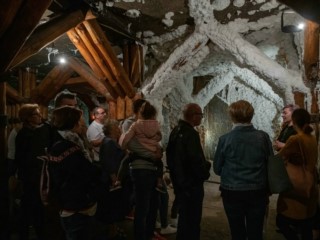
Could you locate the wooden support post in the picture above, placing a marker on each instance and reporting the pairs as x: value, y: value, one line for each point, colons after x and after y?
x: 299, y: 99
x: 112, y: 109
x: 311, y: 58
x: 129, y: 103
x: 121, y: 108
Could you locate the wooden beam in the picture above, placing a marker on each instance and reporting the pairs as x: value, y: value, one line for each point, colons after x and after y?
x: 84, y: 71
x: 135, y: 64
x: 75, y: 80
x: 121, y: 108
x: 48, y: 32
x: 101, y: 41
x: 8, y: 11
x: 21, y: 28
x: 310, y: 60
x: 299, y: 99
x: 77, y: 41
x: 82, y: 33
x: 51, y: 84
x: 14, y: 95
x: 126, y: 57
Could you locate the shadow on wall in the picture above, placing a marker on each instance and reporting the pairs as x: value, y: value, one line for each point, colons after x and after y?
x: 216, y: 123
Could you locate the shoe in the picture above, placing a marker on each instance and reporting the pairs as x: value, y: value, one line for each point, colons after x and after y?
x: 160, y: 189
x: 174, y: 222
x: 114, y: 188
x: 130, y: 216
x: 157, y: 236
x: 158, y: 225
x: 168, y: 230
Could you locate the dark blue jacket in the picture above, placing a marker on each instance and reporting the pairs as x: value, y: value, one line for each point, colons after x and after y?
x: 241, y: 159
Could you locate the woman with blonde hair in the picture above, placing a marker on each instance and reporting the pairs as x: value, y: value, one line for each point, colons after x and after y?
x: 241, y: 161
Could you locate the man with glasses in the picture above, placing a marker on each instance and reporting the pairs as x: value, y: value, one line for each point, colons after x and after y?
x: 95, y: 133
x: 188, y: 170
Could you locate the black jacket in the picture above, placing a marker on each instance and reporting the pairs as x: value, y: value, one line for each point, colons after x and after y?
x: 185, y: 158
x: 74, y: 179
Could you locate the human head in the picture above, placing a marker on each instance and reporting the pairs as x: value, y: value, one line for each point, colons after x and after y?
x: 65, y: 98
x: 29, y: 114
x: 241, y: 111
x: 287, y: 112
x: 137, y: 105
x: 192, y: 113
x: 99, y: 114
x: 66, y: 117
x: 301, y: 120
x: 111, y: 128
x: 147, y: 111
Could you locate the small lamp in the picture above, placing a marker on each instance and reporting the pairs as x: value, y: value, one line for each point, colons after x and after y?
x: 290, y: 28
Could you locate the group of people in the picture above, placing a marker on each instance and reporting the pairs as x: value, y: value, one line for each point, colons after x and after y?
x: 102, y: 173
x: 241, y: 160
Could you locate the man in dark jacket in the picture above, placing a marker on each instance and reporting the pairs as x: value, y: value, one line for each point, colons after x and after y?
x: 188, y: 169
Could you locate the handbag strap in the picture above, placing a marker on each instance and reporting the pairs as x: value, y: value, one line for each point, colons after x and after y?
x: 304, y: 163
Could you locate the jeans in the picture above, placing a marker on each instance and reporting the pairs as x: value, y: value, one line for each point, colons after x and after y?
x: 163, y: 206
x: 190, y: 213
x: 146, y: 197
x: 289, y: 227
x: 77, y: 226
x: 245, y: 211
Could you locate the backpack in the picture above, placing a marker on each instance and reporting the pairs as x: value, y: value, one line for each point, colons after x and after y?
x: 51, y: 192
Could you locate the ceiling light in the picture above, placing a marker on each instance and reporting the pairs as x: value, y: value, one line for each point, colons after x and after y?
x: 62, y: 60
x: 289, y: 28
x: 301, y: 26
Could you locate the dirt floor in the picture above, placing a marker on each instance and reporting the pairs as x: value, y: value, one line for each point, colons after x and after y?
x: 214, y: 224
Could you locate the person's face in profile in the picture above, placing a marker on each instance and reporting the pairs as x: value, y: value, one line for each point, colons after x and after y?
x: 286, y: 115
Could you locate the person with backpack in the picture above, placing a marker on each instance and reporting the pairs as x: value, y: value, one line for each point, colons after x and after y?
x: 70, y: 176
x: 188, y: 170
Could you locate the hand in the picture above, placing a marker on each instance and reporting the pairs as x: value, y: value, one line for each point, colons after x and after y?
x: 278, y: 145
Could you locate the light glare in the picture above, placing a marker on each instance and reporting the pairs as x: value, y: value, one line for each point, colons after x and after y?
x: 301, y: 26
x: 62, y: 60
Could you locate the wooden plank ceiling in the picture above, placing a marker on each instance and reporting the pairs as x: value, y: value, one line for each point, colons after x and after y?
x: 21, y: 38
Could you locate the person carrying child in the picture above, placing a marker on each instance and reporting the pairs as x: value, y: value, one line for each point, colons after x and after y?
x: 145, y: 135
x: 146, y: 167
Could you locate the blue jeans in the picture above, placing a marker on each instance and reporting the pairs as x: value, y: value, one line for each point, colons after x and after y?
x: 245, y: 211
x: 146, y: 197
x: 190, y: 213
x: 77, y: 226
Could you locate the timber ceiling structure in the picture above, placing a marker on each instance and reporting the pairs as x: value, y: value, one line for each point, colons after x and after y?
x: 102, y: 40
